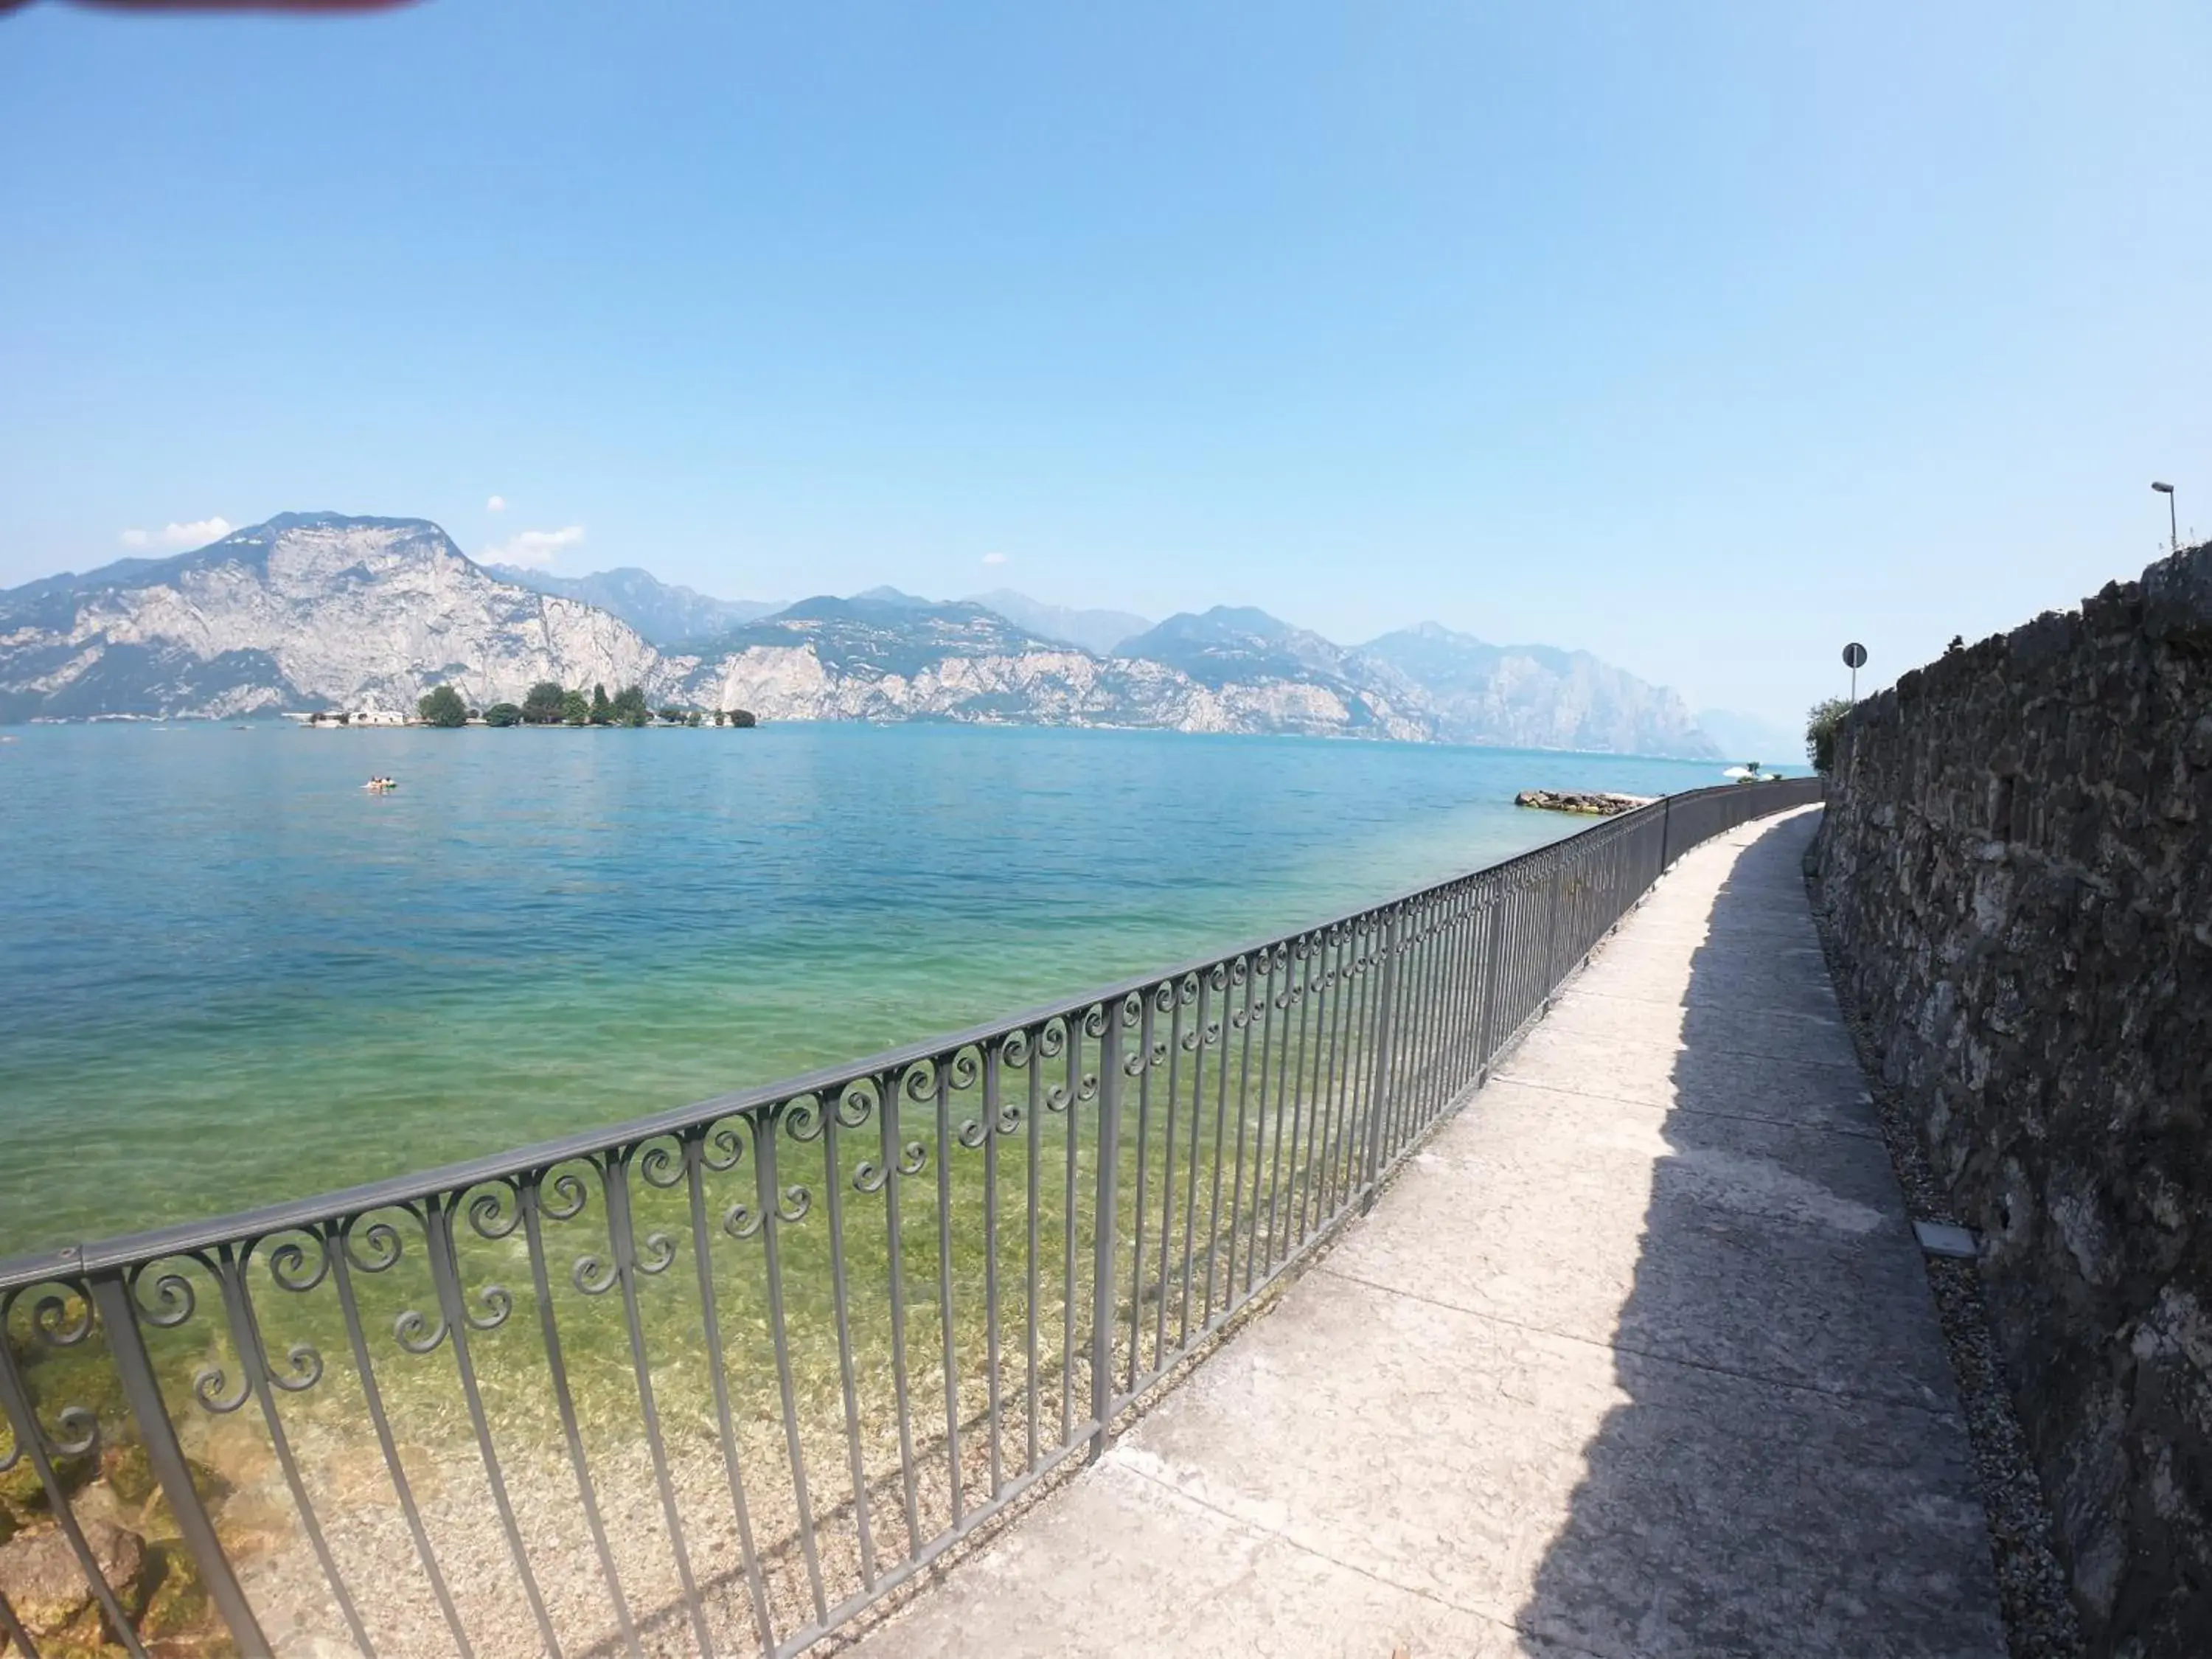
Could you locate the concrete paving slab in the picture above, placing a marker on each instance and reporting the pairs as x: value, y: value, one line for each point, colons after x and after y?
x: 1625, y: 1505
x: 1783, y: 1091
x: 1754, y: 1033
x: 1124, y: 1563
x: 1771, y: 986
x: 1765, y: 1250
x: 1635, y: 1360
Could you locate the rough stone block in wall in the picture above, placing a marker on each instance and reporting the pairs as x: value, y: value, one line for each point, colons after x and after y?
x: 2017, y: 860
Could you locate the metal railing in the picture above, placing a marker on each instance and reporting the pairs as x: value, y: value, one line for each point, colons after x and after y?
x: 717, y: 1380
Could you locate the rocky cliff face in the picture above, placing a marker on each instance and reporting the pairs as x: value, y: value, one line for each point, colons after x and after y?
x: 2017, y: 863
x: 315, y: 610
x: 307, y: 610
x: 662, y: 612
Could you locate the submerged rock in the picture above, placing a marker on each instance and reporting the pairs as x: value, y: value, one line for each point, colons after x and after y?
x: 23, y: 1491
x: 43, y: 1583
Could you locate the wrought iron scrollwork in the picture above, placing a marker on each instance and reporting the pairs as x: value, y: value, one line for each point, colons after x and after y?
x: 800, y: 1117
x: 299, y: 1263
x: 562, y: 1197
x: 372, y: 1244
x: 61, y: 1318
x: 869, y: 1177
x: 55, y: 1325
x: 379, y: 1247
x: 661, y: 1164
x: 174, y: 1300
x: 1014, y: 1053
x: 594, y: 1274
x: 793, y: 1204
x: 721, y: 1148
x: 856, y: 1104
x: 493, y: 1209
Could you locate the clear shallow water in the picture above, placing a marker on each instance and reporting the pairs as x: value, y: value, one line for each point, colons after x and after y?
x: 227, y: 976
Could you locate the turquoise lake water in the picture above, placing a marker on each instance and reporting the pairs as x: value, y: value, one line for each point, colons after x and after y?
x: 227, y: 976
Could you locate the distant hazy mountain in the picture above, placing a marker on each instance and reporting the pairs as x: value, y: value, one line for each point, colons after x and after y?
x: 1235, y: 646
x: 889, y: 596
x: 1096, y: 631
x: 315, y: 610
x: 879, y: 633
x: 888, y: 655
x: 661, y: 611
x: 1751, y: 738
x: 1535, y: 696
x: 309, y: 611
x: 1236, y: 642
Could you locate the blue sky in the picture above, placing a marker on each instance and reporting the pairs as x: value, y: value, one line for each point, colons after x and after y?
x: 1701, y: 336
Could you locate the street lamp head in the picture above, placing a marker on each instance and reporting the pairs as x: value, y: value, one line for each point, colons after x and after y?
x: 2163, y: 489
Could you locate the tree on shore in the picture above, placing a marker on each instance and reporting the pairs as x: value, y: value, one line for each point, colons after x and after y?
x: 504, y: 714
x: 602, y: 710
x: 743, y: 717
x: 576, y: 709
x: 1820, y: 723
x: 628, y: 707
x: 542, y: 705
x: 442, y: 706
x: 672, y: 715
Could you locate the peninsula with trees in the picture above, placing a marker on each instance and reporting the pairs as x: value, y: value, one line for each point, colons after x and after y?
x: 550, y: 703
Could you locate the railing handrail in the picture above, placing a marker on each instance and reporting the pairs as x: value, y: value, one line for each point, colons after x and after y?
x: 126, y: 1249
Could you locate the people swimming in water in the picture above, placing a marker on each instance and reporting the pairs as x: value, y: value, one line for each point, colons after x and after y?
x: 379, y: 785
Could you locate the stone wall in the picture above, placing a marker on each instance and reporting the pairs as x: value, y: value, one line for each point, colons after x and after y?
x: 2017, y: 864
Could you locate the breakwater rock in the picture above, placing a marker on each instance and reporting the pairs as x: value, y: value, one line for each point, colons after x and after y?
x: 2016, y: 863
x: 1590, y: 803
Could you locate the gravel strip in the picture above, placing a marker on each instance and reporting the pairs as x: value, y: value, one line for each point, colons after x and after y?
x: 2032, y: 1593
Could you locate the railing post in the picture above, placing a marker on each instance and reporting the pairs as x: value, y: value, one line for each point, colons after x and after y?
x: 118, y: 1318
x: 1666, y: 832
x: 1379, y: 1094
x: 1493, y: 948
x: 1558, y: 903
x: 1103, y: 1316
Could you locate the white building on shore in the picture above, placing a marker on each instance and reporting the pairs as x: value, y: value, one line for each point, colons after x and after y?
x: 370, y: 716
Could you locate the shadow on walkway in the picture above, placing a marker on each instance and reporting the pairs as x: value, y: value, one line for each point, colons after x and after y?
x: 1791, y: 1474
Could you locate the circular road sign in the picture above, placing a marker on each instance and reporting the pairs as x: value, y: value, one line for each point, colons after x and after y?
x: 1855, y: 655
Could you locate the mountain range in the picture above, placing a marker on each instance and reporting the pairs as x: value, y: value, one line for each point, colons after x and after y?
x: 661, y: 611
x: 319, y: 610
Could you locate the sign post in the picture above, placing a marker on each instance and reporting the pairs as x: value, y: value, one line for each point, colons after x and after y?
x: 1855, y: 659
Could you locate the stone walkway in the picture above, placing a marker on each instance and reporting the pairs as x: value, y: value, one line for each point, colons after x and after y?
x: 1636, y: 1358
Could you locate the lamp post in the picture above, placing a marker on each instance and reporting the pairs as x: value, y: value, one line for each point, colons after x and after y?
x: 2172, y: 524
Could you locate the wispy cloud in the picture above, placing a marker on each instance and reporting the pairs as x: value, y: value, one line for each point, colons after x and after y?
x: 995, y: 558
x: 496, y: 504
x: 174, y: 537
x: 536, y: 547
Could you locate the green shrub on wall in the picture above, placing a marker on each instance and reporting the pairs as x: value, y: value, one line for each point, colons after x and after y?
x: 1820, y: 723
